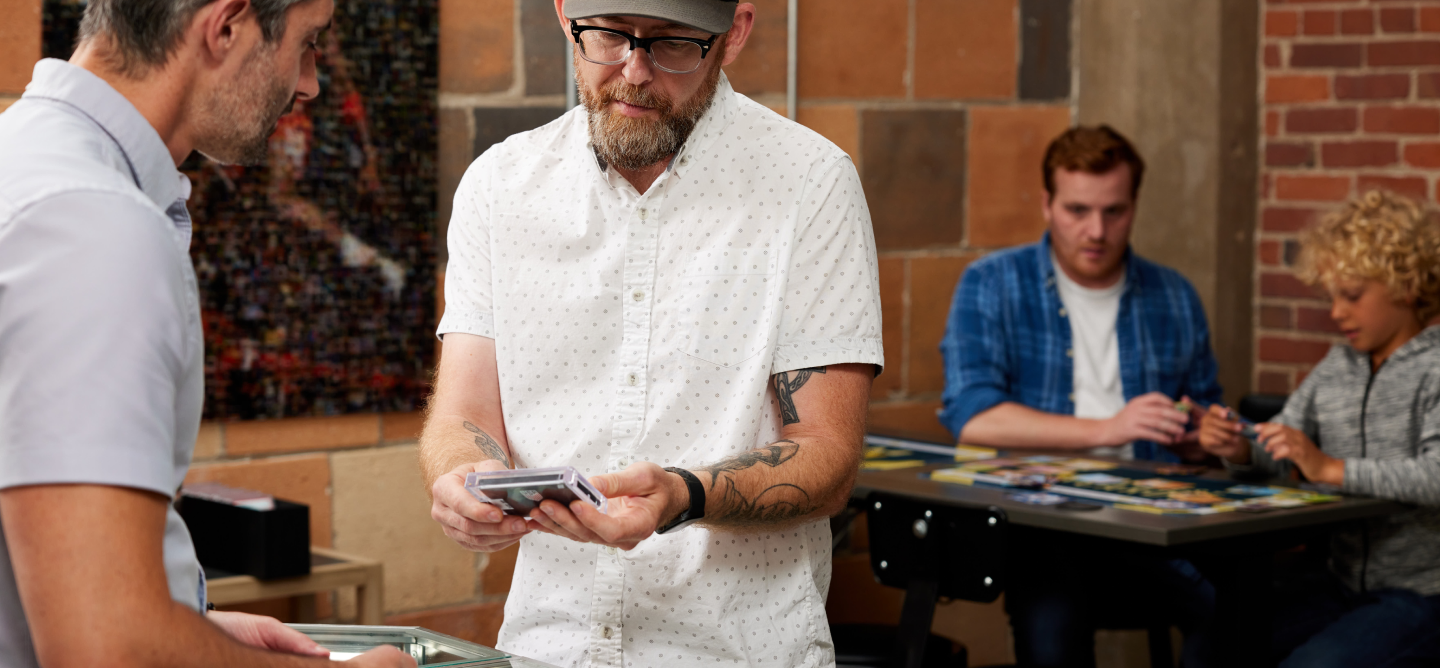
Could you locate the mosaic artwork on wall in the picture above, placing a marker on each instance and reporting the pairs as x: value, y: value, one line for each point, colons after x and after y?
x: 317, y: 270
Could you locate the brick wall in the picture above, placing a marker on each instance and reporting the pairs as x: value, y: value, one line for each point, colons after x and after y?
x: 1351, y: 102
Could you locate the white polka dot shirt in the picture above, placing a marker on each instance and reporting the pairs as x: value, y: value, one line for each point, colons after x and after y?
x: 645, y: 327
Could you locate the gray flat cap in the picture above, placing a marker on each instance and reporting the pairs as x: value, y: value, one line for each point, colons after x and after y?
x: 712, y: 16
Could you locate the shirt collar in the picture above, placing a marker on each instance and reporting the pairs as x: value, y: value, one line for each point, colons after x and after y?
x: 149, y: 159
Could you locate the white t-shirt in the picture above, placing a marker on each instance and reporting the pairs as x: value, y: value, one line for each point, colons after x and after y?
x: 1095, y: 351
x: 646, y: 327
x: 100, y: 337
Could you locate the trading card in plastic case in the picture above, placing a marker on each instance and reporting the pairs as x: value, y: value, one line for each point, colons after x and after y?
x: 520, y: 491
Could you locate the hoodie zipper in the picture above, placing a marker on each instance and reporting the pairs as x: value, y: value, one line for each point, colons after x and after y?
x: 1365, y: 527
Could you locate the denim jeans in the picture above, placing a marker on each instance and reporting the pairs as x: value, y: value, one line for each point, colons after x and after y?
x: 1056, y: 600
x: 1320, y: 623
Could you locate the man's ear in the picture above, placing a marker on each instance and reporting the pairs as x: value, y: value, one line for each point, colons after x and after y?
x: 739, y: 31
x: 1045, y: 198
x: 221, y: 26
x: 560, y: 13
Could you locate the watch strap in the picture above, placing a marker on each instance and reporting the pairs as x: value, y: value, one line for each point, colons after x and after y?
x: 696, y: 511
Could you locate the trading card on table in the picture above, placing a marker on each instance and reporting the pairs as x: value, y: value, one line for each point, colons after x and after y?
x: 520, y: 491
x: 1044, y: 459
x: 1199, y: 496
x: 1099, y: 478
x: 1089, y: 465
x: 1175, y: 505
x: 1046, y: 470
x: 1163, y: 483
x: 1253, y: 490
x: 1037, y: 498
x: 1180, y: 469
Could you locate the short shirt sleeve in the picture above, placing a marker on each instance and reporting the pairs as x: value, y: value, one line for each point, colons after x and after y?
x: 469, y: 290
x: 95, y: 343
x: 830, y: 311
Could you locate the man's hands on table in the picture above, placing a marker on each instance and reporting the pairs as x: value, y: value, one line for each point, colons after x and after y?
x: 268, y: 633
x: 476, y: 526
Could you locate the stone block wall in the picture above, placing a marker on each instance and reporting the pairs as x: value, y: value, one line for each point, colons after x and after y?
x: 1351, y: 102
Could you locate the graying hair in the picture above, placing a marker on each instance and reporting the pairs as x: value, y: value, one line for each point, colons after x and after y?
x: 146, y: 32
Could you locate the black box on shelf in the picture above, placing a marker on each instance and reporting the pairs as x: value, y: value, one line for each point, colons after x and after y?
x: 268, y: 544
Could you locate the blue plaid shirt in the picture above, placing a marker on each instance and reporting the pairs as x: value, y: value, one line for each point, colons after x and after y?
x: 1007, y: 337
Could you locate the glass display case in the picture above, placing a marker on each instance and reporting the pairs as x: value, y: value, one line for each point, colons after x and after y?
x: 428, y: 648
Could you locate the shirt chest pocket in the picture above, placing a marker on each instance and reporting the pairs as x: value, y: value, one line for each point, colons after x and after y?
x: 722, y: 319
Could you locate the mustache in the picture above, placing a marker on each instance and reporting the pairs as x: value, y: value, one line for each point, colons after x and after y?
x: 638, y: 96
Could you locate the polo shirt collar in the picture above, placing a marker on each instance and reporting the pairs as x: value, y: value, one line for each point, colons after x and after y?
x: 149, y: 159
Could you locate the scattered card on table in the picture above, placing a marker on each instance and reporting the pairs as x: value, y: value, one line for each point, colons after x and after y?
x: 1180, y: 469
x: 1037, y: 498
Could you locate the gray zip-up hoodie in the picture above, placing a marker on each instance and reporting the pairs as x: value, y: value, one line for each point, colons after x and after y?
x: 1386, y: 426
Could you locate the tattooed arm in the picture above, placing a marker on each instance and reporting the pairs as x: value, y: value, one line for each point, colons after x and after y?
x: 804, y: 476
x: 807, y: 474
x: 465, y: 432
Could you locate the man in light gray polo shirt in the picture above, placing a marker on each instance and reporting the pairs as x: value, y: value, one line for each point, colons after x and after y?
x: 101, y: 352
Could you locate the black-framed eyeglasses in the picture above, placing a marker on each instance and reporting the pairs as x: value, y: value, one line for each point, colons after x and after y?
x: 677, y: 55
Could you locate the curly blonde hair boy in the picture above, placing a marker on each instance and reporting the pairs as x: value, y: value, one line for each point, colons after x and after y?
x: 1381, y: 236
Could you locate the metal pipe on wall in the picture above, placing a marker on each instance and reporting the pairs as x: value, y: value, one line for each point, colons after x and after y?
x: 792, y: 53
x: 571, y: 95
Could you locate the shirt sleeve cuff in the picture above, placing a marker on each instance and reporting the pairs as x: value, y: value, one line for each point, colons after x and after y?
x: 812, y: 354
x: 479, y: 324
x: 1359, y: 477
x: 974, y: 401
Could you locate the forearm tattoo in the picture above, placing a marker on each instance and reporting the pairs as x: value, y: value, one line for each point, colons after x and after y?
x: 488, y: 445
x: 774, y: 503
x: 787, y: 383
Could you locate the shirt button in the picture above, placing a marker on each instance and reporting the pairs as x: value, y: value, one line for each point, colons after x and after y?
x: 638, y: 295
x: 684, y: 161
x: 1072, y: 396
x: 1062, y: 312
x: 1070, y: 352
x: 643, y: 214
x: 634, y: 380
x: 607, y: 631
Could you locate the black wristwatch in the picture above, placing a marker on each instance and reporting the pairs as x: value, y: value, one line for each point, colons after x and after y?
x: 696, y: 511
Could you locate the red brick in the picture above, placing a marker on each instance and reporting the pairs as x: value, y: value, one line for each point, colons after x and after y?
x: 1005, y: 146
x: 1312, y: 188
x: 1285, y: 285
x: 1274, y: 382
x: 1282, y: 23
x: 1289, y: 155
x: 1427, y: 85
x: 477, y: 45
x: 1310, y: 319
x: 914, y: 419
x: 830, y: 65
x: 964, y: 50
x: 1285, y: 89
x: 1275, y: 317
x: 1319, y: 22
x: 932, y: 285
x: 1357, y: 22
x: 1359, y: 153
x: 1270, y: 251
x: 1372, y: 87
x: 1285, y: 219
x: 1402, y: 120
x: 1329, y: 119
x: 1297, y: 351
x: 1430, y: 19
x: 1272, y: 56
x: 1393, y: 54
x: 1326, y: 55
x: 1423, y: 154
x: 1397, y: 19
x: 20, y: 31
x: 1409, y: 186
x: 1272, y: 123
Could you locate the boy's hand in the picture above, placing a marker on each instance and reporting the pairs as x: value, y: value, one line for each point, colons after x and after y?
x: 1284, y: 442
x: 1220, y: 436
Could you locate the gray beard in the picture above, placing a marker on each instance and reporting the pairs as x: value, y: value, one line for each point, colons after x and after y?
x: 634, y: 144
x: 240, y: 118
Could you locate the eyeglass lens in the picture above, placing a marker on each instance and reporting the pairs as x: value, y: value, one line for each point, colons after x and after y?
x: 606, y: 48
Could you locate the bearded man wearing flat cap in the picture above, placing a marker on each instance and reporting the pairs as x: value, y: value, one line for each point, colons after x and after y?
x: 671, y: 289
